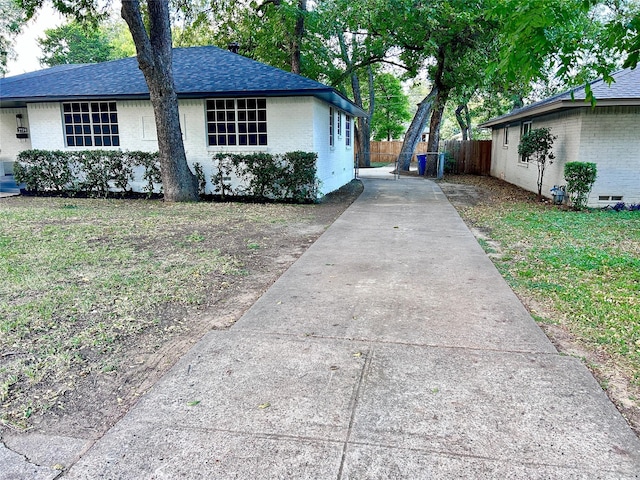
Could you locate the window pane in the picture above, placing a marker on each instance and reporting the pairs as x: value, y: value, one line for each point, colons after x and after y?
x: 86, y: 129
x: 112, y: 106
x: 262, y: 139
x: 77, y: 129
x: 253, y: 139
x: 104, y: 117
x: 220, y: 104
x: 251, y: 103
x: 75, y: 107
x: 242, y: 116
x: 262, y: 103
x: 232, y: 139
x: 230, y: 104
x: 242, y: 139
x: 262, y: 116
x: 242, y: 104
x: 104, y: 107
x: 222, y: 140
x: 211, y: 128
x: 253, y: 128
x: 231, y: 127
x: 212, y: 140
x: 98, y: 141
x: 87, y: 141
x: 252, y: 115
x: 66, y: 107
x: 114, y: 129
x: 113, y: 117
x: 262, y: 127
x: 106, y: 141
x: 70, y: 141
x: 115, y: 140
x: 242, y: 127
x: 77, y: 118
x: 79, y: 141
x: 69, y: 130
x: 85, y: 117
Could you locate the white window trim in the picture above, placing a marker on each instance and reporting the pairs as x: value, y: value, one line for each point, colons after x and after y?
x: 332, y: 140
x: 521, y: 160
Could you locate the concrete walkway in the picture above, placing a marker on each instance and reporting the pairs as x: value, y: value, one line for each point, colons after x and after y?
x: 391, y: 349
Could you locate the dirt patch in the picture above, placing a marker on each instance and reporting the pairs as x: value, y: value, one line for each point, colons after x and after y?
x: 465, y: 191
x: 96, y: 394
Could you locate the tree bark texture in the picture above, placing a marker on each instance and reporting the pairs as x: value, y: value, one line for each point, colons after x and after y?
x: 434, y: 132
x: 464, y: 120
x: 412, y: 137
x: 155, y: 60
x: 297, y: 37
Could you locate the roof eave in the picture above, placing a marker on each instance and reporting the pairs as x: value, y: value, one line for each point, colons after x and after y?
x: 556, y: 106
x: 328, y: 95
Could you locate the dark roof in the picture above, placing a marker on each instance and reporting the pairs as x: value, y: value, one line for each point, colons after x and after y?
x: 198, y: 72
x: 625, y: 90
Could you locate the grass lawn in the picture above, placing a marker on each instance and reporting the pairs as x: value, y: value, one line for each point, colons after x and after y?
x: 582, y: 269
x: 90, y: 289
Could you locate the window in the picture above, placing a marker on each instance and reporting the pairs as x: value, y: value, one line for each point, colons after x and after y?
x: 505, y: 136
x: 89, y: 124
x: 524, y: 129
x: 241, y: 122
x: 331, y: 126
x: 347, y: 130
x: 339, y: 124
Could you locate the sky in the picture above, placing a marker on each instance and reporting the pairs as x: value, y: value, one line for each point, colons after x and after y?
x: 25, y: 44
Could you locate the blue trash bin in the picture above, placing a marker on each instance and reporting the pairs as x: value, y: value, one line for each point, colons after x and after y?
x: 422, y: 164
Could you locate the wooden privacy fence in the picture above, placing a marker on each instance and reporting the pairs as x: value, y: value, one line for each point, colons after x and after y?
x: 466, y: 156
x: 388, y: 151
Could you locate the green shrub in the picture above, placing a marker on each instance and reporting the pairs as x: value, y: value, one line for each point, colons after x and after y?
x: 290, y: 177
x: 202, y: 181
x: 44, y: 170
x: 90, y: 171
x: 580, y: 177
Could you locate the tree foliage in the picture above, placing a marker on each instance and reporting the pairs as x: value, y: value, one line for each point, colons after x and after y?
x: 392, y: 108
x: 12, y: 18
x: 75, y: 42
x: 537, y: 146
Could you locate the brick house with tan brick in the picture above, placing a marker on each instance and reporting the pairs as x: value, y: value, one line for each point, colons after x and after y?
x: 607, y: 135
x: 227, y: 103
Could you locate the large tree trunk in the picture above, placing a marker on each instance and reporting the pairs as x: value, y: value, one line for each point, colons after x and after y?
x: 412, y: 137
x: 297, y: 37
x: 434, y: 132
x: 155, y: 61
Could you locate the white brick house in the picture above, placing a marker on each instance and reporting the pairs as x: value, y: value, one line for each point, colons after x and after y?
x: 227, y: 103
x: 606, y: 135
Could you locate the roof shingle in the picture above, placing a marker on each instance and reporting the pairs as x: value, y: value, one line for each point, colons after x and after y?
x: 198, y: 72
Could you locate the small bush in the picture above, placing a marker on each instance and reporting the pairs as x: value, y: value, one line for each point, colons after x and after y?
x: 44, y: 170
x: 580, y: 177
x: 290, y: 177
x: 537, y: 146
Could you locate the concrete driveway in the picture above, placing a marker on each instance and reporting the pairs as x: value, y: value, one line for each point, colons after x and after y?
x: 391, y: 349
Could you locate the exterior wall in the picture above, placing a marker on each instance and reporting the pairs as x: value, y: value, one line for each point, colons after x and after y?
x: 293, y: 124
x: 505, y: 160
x: 607, y: 137
x: 610, y: 139
x: 10, y: 146
x: 335, y: 163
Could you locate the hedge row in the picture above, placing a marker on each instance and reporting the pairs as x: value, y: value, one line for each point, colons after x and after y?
x: 95, y: 172
x: 290, y: 177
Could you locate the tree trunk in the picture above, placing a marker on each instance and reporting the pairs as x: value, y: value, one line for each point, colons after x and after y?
x: 463, y: 121
x: 434, y: 132
x: 363, y: 130
x: 297, y: 37
x: 155, y: 61
x: 412, y: 137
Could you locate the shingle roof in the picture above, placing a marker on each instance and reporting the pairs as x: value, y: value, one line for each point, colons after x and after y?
x: 625, y: 90
x: 198, y: 72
